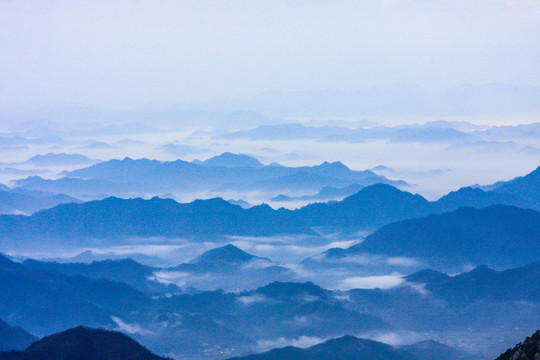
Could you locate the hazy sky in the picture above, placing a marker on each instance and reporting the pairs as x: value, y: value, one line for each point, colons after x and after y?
x: 122, y: 54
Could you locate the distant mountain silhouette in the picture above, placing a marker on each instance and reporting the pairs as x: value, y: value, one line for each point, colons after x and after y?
x: 230, y: 160
x: 325, y: 194
x: 499, y: 236
x: 529, y: 349
x: 14, y: 337
x: 129, y: 177
x: 83, y: 343
x: 27, y: 201
x: 61, y: 159
x: 403, y: 133
x: 344, y: 348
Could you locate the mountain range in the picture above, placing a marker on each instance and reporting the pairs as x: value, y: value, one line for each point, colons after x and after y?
x: 344, y: 348
x: 475, y: 299
x: 40, y: 297
x: 224, y: 172
x: 371, y: 208
x: 350, y: 347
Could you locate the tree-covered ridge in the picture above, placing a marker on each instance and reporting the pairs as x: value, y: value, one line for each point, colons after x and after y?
x: 529, y: 349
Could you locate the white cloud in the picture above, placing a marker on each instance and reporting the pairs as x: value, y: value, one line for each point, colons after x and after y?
x: 252, y: 299
x: 132, y: 329
x: 371, y: 282
x: 393, y: 338
x: 403, y: 261
x: 300, y: 342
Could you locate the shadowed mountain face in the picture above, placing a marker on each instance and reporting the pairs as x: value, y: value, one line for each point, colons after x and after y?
x: 42, y: 301
x: 525, y: 188
x: 529, y: 349
x: 369, y: 209
x: 14, y: 338
x: 84, y: 344
x: 46, y: 301
x: 483, y: 283
x: 344, y: 348
x: 117, y: 218
x: 125, y: 271
x: 479, y: 299
x: 112, y: 218
x: 499, y: 236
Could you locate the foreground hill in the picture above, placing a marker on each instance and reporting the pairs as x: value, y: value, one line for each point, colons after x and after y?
x: 499, y: 236
x: 529, y: 349
x: 83, y: 344
x: 344, y: 348
x: 14, y: 337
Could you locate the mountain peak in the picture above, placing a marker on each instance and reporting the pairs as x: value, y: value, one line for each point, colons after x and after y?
x: 230, y: 160
x: 226, y: 254
x: 383, y: 192
x: 336, y: 165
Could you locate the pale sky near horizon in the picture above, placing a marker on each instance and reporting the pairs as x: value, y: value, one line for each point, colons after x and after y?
x: 120, y: 54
